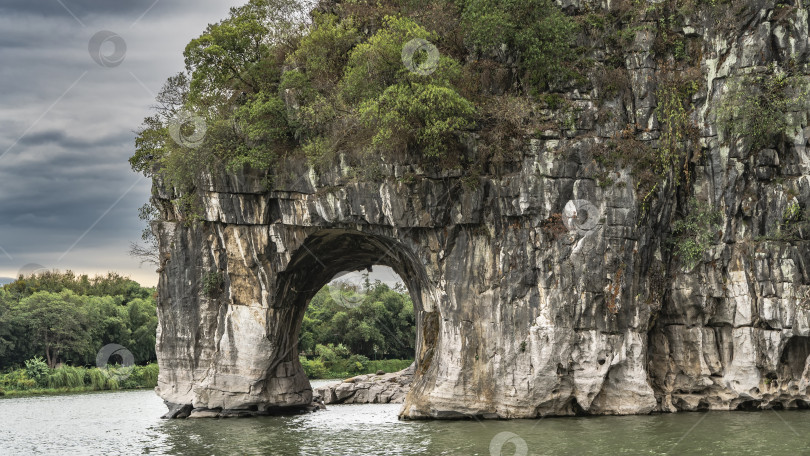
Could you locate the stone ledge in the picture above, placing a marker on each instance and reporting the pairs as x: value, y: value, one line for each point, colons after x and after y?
x: 369, y: 389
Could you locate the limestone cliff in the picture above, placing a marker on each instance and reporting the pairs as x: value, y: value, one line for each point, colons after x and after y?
x: 525, y: 308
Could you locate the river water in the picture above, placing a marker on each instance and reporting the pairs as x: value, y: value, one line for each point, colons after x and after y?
x: 128, y: 423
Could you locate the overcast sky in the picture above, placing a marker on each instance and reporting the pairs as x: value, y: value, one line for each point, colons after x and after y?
x: 68, y: 199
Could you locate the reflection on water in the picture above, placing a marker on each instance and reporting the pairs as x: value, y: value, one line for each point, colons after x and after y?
x: 128, y: 423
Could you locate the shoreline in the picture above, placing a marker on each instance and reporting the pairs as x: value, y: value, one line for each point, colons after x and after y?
x: 14, y: 394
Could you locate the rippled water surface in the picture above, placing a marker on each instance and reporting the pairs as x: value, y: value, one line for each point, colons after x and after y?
x: 128, y: 423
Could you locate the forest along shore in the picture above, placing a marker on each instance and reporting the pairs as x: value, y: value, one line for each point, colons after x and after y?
x: 53, y: 325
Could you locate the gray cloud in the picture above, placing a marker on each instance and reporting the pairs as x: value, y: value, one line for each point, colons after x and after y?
x: 89, y: 10
x: 66, y: 125
x: 78, y: 7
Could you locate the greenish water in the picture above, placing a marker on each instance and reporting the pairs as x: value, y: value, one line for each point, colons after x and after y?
x: 127, y: 423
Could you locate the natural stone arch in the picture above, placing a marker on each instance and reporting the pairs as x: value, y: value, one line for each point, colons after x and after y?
x: 236, y: 352
x: 328, y: 252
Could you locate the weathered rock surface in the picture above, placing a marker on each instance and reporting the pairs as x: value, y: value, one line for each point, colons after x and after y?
x: 369, y: 389
x: 516, y: 319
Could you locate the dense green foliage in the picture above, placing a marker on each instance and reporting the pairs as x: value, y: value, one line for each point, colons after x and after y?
x: 274, y: 85
x: 268, y: 83
x: 67, y: 318
x: 381, y: 326
x: 540, y: 33
x: 378, y: 334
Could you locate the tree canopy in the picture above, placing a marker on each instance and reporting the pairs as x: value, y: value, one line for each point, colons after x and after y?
x: 67, y: 318
x: 381, y: 326
x: 380, y: 78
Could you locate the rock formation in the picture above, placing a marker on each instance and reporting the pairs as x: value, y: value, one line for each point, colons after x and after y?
x: 369, y: 389
x: 525, y: 306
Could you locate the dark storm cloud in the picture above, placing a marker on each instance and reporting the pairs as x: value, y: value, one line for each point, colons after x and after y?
x: 79, y: 7
x: 66, y: 140
x: 68, y: 198
x: 83, y: 9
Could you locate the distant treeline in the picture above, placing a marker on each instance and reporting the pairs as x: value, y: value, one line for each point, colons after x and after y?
x: 372, y: 320
x: 357, y: 329
x: 67, y: 318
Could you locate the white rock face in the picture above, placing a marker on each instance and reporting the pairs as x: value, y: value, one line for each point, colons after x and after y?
x: 518, y: 317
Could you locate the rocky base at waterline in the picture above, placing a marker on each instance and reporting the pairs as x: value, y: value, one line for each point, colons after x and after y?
x: 369, y: 389
x: 379, y: 388
x: 181, y: 411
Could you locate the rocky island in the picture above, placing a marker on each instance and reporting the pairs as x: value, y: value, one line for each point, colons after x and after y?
x: 614, y: 223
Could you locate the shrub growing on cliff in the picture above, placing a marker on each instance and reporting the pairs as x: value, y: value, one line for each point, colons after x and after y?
x: 679, y: 134
x: 232, y: 55
x: 234, y: 70
x: 256, y: 111
x: 402, y: 108
x: 537, y: 29
x: 762, y: 106
x: 423, y: 116
x: 323, y: 53
x: 377, y: 63
x: 792, y: 226
x: 213, y: 282
x: 695, y: 233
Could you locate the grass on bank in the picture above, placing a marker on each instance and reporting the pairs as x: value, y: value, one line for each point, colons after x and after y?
x: 69, y: 379
x: 33, y: 380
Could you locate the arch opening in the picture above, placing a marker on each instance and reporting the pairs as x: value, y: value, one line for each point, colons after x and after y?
x: 326, y: 255
x: 361, y: 322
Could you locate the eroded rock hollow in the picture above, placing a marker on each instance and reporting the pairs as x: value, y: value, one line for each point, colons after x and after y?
x: 525, y: 306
